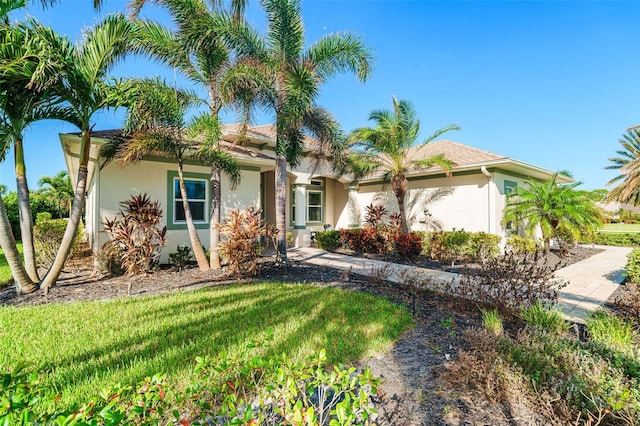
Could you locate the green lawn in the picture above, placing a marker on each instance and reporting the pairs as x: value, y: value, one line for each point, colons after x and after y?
x: 84, y: 347
x: 5, y: 272
x: 620, y: 227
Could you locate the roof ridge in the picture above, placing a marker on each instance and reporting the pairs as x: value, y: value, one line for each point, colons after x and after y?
x: 471, y: 147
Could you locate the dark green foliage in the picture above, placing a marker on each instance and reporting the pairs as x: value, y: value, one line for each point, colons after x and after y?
x: 328, y: 240
x: 616, y: 239
x: 408, y: 246
x: 39, y: 204
x: 181, y: 257
x: 632, y: 269
x: 454, y: 243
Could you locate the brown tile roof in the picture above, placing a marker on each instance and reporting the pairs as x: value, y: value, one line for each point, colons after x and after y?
x: 226, y: 146
x: 265, y: 131
x: 461, y: 155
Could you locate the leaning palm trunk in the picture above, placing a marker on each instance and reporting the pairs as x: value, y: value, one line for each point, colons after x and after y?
x: 24, y: 284
x: 214, y: 218
x: 281, y: 207
x: 51, y: 277
x: 26, y: 218
x: 196, y: 245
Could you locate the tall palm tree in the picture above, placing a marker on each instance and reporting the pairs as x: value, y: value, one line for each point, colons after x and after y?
x: 385, y: 148
x: 157, y: 125
x: 59, y: 190
x: 198, y: 49
x: 289, y: 84
x: 83, y: 87
x: 628, y: 163
x: 553, y: 208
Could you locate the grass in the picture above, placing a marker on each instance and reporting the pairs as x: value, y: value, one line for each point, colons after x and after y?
x: 620, y: 227
x: 83, y: 348
x: 545, y: 318
x: 611, y: 331
x: 5, y: 272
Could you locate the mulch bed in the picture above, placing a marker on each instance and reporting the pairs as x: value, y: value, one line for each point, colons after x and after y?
x: 414, y: 391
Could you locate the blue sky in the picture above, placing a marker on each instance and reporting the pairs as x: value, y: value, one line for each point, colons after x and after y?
x: 550, y: 83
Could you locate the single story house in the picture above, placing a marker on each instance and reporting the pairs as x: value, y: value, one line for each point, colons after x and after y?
x: 317, y: 198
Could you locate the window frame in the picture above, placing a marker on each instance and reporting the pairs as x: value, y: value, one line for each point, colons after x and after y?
x: 172, y: 177
x: 315, y: 186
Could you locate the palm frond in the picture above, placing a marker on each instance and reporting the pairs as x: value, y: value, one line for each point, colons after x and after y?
x: 341, y: 52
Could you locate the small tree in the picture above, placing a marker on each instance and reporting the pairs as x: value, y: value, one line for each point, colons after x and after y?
x: 553, y: 208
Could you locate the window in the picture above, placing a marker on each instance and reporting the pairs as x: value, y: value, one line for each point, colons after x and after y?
x: 314, y: 202
x: 509, y: 187
x: 197, y: 197
x: 314, y: 206
x: 197, y: 186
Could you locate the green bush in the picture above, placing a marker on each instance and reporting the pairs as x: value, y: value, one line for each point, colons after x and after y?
x: 262, y: 391
x: 181, y: 257
x: 47, y: 236
x: 328, y: 240
x: 454, y: 243
x: 620, y: 239
x: 521, y: 245
x: 632, y: 269
x: 482, y: 246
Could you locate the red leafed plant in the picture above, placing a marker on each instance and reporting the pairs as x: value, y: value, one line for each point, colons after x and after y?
x: 135, y: 237
x: 408, y: 245
x: 244, y: 236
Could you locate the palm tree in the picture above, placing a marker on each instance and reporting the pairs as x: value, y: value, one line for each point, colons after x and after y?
x: 385, y: 148
x: 198, y: 50
x: 83, y: 87
x: 553, y: 208
x: 289, y: 84
x: 157, y: 125
x: 628, y: 163
x: 59, y: 190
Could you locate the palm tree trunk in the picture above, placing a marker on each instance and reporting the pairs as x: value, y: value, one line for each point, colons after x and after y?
x: 51, y: 277
x: 196, y: 245
x: 281, y: 208
x: 24, y: 207
x: 214, y: 218
x: 24, y: 284
x: 399, y: 186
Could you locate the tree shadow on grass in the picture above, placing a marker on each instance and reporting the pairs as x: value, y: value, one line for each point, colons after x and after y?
x: 303, y: 317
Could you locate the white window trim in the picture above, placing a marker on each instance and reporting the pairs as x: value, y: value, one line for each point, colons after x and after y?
x: 205, y: 201
x: 320, y: 206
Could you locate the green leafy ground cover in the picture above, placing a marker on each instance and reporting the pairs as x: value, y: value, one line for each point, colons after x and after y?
x: 82, y: 348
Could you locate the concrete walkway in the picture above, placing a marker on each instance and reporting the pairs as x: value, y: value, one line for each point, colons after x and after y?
x: 591, y: 281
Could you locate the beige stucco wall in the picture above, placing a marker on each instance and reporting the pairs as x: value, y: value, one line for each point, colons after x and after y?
x: 119, y: 183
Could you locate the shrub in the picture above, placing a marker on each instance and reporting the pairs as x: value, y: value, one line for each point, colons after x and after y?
x: 47, y: 236
x: 244, y: 235
x: 408, y: 246
x: 135, y: 238
x: 632, y: 269
x: 374, y: 215
x: 271, y: 390
x: 43, y: 216
x: 545, y: 318
x: 521, y: 245
x: 509, y: 282
x: 181, y: 257
x: 482, y: 246
x: 628, y: 305
x: 367, y: 240
x: 454, y: 243
x: 328, y: 240
x: 616, y: 239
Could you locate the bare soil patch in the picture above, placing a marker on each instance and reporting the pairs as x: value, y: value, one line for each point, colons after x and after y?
x: 418, y: 388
